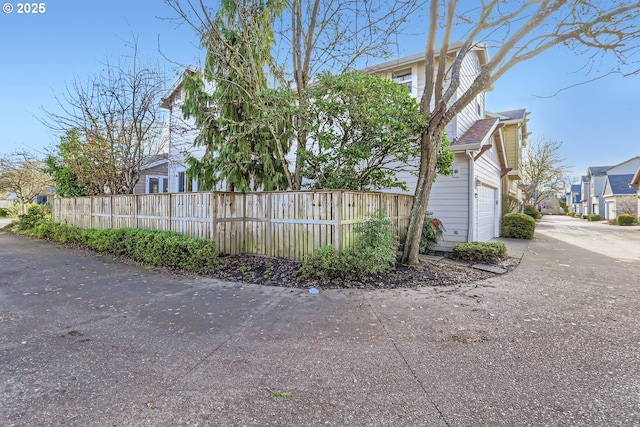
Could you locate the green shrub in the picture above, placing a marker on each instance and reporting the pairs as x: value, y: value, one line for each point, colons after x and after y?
x: 571, y: 214
x: 532, y: 212
x: 43, y: 230
x: 35, y: 213
x: 625, y: 219
x: 585, y: 216
x: 518, y: 226
x: 594, y: 217
x: 4, y: 212
x: 432, y: 231
x: 480, y: 251
x: 160, y: 248
x: 373, y: 252
x: 67, y: 233
x: 201, y: 255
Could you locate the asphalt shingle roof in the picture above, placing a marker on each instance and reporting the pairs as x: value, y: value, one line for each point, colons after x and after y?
x: 476, y: 133
x: 620, y: 184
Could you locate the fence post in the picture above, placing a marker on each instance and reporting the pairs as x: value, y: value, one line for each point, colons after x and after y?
x: 213, y: 206
x: 168, y: 195
x: 269, y: 225
x: 244, y: 223
x: 91, y: 212
x: 337, y: 216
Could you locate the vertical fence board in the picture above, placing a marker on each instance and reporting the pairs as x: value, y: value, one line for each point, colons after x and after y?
x: 282, y: 224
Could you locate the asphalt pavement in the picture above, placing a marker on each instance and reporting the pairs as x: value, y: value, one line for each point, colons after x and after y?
x: 90, y: 341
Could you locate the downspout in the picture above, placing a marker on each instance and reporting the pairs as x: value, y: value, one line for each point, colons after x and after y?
x: 472, y: 197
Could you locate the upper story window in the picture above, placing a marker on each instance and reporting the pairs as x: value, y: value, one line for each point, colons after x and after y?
x: 404, y: 77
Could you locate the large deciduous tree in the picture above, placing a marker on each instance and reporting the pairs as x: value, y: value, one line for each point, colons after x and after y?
x: 514, y: 31
x: 118, y: 122
x: 22, y: 173
x: 543, y: 171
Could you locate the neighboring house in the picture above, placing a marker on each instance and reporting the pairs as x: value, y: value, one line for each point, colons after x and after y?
x: 154, y: 175
x: 585, y: 185
x: 596, y: 175
x: 574, y: 200
x: 487, y: 151
x: 515, y: 135
x: 4, y: 201
x: 551, y: 204
x: 635, y: 183
x: 619, y: 197
x: 182, y: 133
x: 599, y: 178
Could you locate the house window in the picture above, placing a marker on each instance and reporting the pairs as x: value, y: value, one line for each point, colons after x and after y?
x: 404, y: 78
x: 184, y: 184
x: 157, y: 184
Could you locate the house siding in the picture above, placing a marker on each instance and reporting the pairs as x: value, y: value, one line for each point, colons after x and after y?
x: 141, y: 186
x: 449, y: 201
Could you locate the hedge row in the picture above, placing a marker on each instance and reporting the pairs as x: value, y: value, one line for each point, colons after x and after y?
x: 160, y: 248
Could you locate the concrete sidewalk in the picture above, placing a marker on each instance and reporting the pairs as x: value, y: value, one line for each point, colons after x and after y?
x: 91, y: 341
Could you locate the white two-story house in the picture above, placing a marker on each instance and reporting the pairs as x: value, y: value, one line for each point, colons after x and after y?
x: 487, y: 148
x: 487, y: 158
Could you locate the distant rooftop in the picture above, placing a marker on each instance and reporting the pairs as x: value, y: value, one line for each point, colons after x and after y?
x: 620, y: 184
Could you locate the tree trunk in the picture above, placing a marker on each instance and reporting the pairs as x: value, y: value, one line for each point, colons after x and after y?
x: 430, y: 146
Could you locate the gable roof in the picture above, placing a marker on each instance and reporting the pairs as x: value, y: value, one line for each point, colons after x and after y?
x: 477, y: 135
x: 598, y: 170
x: 635, y: 181
x: 154, y: 160
x: 622, y: 163
x: 394, y: 64
x: 585, y: 178
x: 619, y: 184
x: 175, y: 89
x: 516, y: 115
x: 576, y: 188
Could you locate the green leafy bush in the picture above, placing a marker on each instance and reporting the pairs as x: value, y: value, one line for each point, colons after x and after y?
x: 532, y: 212
x: 4, y: 212
x: 518, y: 226
x: 35, y: 213
x: 571, y: 214
x: 480, y: 251
x: 432, y: 230
x: 625, y: 219
x: 594, y: 217
x: 373, y: 252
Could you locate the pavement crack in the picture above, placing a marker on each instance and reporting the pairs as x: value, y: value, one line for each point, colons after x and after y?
x: 407, y: 364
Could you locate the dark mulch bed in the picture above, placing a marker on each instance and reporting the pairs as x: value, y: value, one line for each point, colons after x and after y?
x: 282, y: 272
x: 270, y: 271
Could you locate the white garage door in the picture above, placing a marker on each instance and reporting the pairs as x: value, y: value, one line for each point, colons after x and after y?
x: 487, y: 207
x: 611, y: 209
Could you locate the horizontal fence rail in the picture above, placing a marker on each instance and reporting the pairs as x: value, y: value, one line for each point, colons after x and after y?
x: 288, y: 224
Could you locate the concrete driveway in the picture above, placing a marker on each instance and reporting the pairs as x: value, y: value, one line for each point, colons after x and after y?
x: 622, y: 243
x: 86, y: 341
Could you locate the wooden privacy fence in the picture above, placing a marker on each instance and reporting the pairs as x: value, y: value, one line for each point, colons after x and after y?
x: 281, y: 224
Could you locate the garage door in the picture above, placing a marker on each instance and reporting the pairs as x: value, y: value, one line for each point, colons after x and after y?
x: 486, y: 219
x: 611, y: 209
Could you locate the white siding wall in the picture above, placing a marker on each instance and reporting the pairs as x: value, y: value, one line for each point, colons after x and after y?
x: 475, y: 110
x: 183, y: 133
x: 449, y: 202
